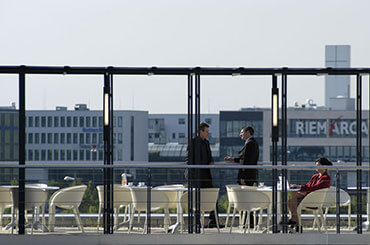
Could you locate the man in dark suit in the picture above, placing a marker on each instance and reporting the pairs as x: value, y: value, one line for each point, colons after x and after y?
x: 202, y: 156
x: 248, y: 155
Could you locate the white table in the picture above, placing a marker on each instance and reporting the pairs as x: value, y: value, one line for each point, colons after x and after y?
x: 367, y: 222
x: 14, y: 189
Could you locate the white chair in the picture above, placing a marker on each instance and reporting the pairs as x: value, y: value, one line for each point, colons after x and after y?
x: 330, y: 201
x: 139, y: 203
x: 208, y: 201
x: 5, y: 202
x: 121, y: 198
x: 67, y: 198
x: 249, y: 200
x: 230, y: 198
x: 314, y: 201
x: 35, y: 199
x: 171, y: 194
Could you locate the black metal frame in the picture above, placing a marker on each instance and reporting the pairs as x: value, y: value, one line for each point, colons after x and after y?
x: 108, y: 73
x: 108, y: 154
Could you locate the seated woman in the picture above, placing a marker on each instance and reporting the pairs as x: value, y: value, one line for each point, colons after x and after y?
x: 318, y: 181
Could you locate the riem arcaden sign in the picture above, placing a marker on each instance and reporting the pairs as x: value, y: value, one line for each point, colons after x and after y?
x: 332, y: 127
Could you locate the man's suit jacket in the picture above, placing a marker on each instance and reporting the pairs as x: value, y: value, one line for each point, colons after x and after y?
x: 248, y: 155
x: 202, y: 156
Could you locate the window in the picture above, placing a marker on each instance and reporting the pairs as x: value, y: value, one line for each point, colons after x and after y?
x: 69, y: 122
x: 94, y: 155
x: 43, y: 122
x: 37, y: 138
x: 62, y: 155
x: 94, y: 138
x: 88, y: 158
x: 75, y: 155
x: 69, y: 138
x: 75, y: 122
x: 82, y: 120
x: 173, y: 135
x: 62, y: 122
x: 82, y: 155
x: 100, y: 122
x: 37, y: 155
x: 30, y: 122
x: 30, y: 138
x: 88, y: 122
x: 100, y: 155
x: 50, y: 155
x: 56, y: 122
x: 120, y: 138
x: 181, y: 120
x: 181, y: 135
x: 209, y: 121
x: 69, y: 155
x: 114, y: 121
x: 43, y: 138
x: 37, y: 123
x: 75, y: 138
x: 56, y: 138
x: 119, y: 155
x: 114, y: 138
x: 56, y: 155
x: 120, y: 120
x: 50, y: 138
x: 50, y: 122
x: 63, y: 138
x: 95, y: 122
x: 100, y: 138
x: 82, y: 138
x: 30, y: 155
x: 88, y: 139
x: 43, y: 155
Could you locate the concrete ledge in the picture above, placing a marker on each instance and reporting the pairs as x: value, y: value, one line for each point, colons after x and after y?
x: 95, y: 239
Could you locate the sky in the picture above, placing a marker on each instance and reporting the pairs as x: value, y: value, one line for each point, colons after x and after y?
x: 176, y: 33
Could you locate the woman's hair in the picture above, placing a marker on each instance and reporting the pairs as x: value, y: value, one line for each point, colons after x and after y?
x: 324, y: 161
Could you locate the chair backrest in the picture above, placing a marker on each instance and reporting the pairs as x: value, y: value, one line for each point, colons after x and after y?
x: 208, y: 199
x: 121, y: 195
x: 331, y: 195
x: 230, y: 194
x: 315, y: 199
x: 171, y: 194
x: 34, y: 196
x: 70, y: 197
x: 250, y: 198
x: 139, y: 198
x: 6, y: 200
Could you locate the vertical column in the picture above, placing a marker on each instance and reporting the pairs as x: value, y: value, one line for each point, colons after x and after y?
x: 358, y: 150
x: 108, y: 152
x: 197, y: 122
x: 190, y: 153
x: 284, y: 151
x: 275, y: 138
x: 22, y: 150
x: 337, y: 201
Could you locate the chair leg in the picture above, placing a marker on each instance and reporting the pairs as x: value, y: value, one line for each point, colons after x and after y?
x: 138, y: 217
x: 202, y: 221
x: 51, y: 217
x: 349, y: 216
x: 244, y: 213
x: 166, y: 221
x: 218, y: 225
x: 78, y: 219
x: 232, y: 221
x: 255, y: 220
x: 115, y: 210
x: 145, y: 223
x: 1, y: 217
x: 299, y: 212
x: 322, y: 220
x: 227, y: 215
x: 132, y: 216
x: 99, y: 214
x: 260, y: 220
x: 247, y: 222
x: 268, y: 219
x: 316, y: 220
x: 124, y: 217
x: 33, y: 219
x: 43, y: 217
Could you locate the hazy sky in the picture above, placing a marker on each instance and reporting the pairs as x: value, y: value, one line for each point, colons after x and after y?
x: 170, y: 33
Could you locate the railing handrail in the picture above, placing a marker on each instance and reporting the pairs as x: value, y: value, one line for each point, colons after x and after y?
x: 176, y: 165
